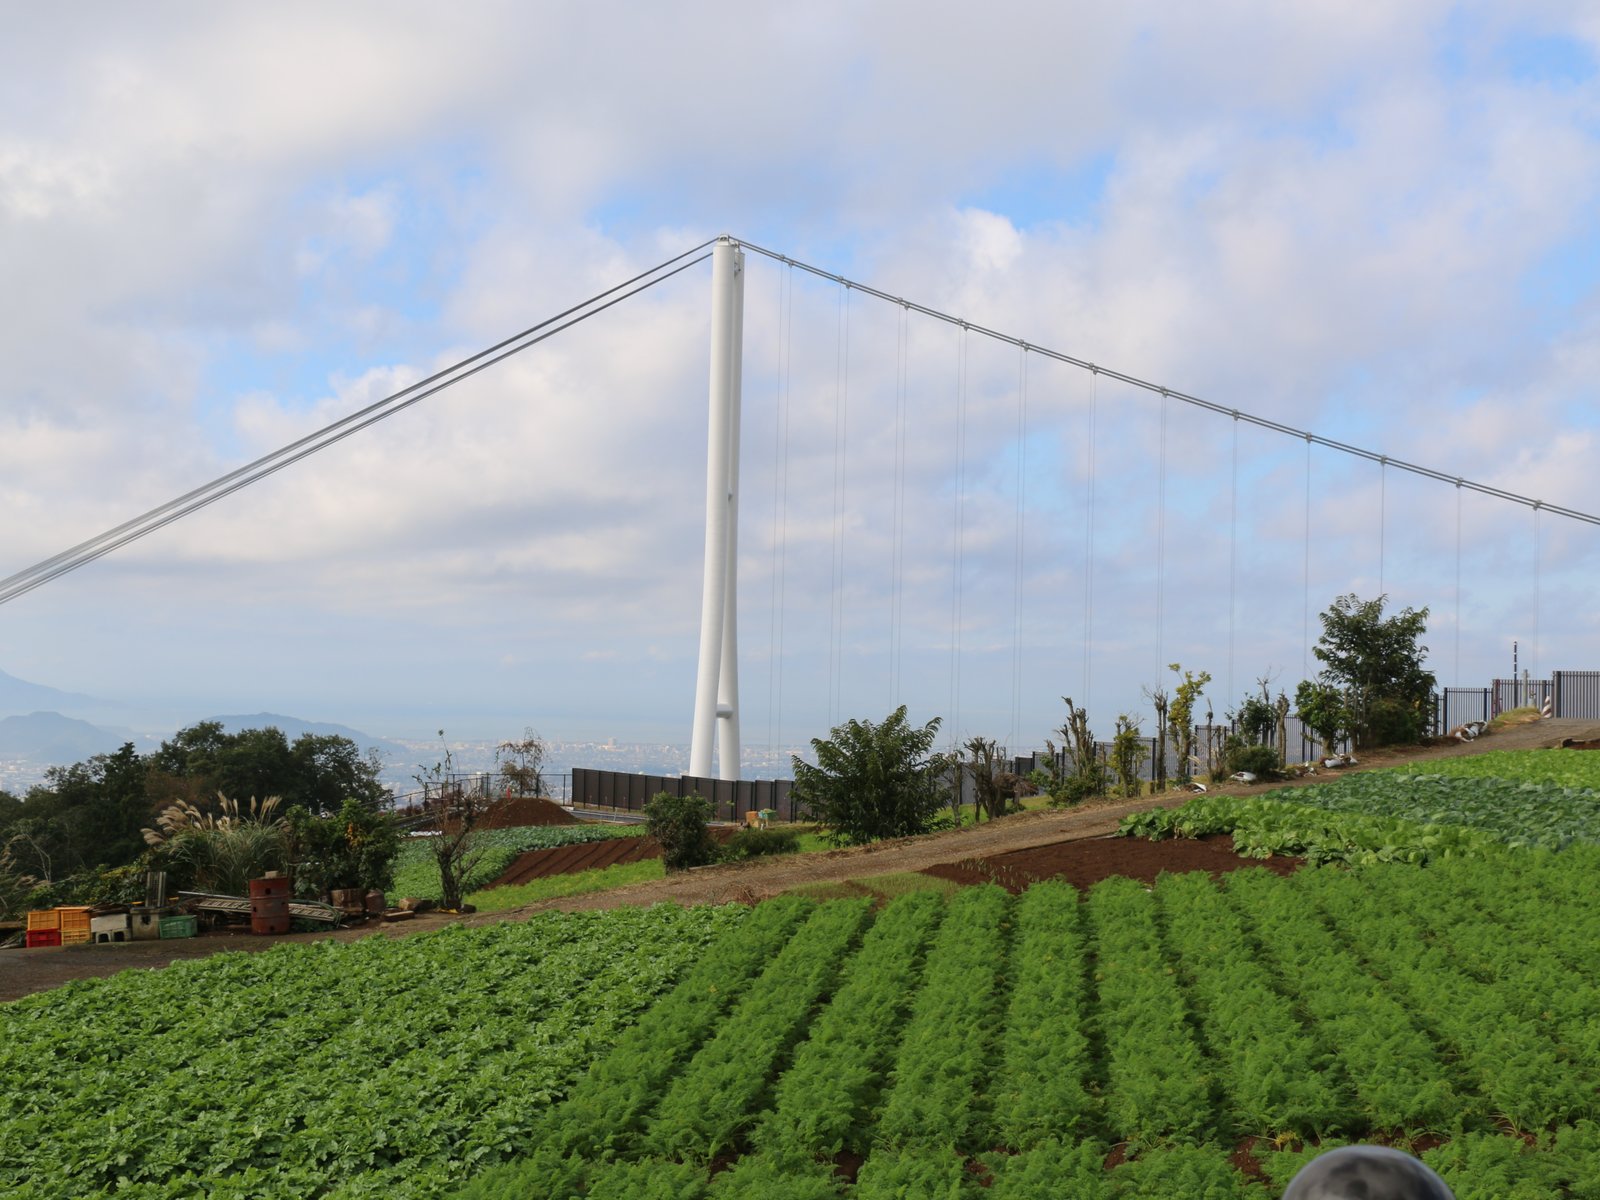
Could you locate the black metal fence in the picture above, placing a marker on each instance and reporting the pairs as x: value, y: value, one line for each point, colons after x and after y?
x: 731, y: 799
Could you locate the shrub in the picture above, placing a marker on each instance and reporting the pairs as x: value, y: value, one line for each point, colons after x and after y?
x: 755, y: 843
x: 354, y: 848
x: 221, y: 851
x: 873, y: 780
x: 678, y: 824
x: 1260, y: 761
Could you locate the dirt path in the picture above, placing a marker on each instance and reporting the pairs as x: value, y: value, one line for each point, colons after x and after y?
x: 23, y: 972
x: 753, y: 881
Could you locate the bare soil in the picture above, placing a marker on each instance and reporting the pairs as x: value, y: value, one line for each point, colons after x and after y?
x: 568, y: 860
x: 1084, y: 862
x: 23, y: 972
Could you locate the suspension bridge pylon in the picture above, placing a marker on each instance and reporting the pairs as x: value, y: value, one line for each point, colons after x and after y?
x: 716, y: 692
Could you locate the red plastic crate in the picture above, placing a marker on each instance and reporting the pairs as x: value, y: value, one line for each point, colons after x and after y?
x: 44, y: 937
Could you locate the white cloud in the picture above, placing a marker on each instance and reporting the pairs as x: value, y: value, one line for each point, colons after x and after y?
x: 1304, y: 214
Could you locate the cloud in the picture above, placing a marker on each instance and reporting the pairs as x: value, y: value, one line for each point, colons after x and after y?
x: 225, y: 229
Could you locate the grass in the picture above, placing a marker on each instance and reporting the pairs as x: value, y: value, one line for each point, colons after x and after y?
x: 882, y: 887
x: 577, y: 884
x: 899, y: 883
x: 1516, y: 716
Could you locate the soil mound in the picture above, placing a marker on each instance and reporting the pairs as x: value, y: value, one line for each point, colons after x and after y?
x: 515, y: 812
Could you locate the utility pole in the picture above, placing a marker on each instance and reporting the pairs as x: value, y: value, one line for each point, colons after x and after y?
x: 716, y: 693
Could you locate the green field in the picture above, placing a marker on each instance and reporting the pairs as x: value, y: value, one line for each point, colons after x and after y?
x: 417, y: 875
x: 1196, y: 1039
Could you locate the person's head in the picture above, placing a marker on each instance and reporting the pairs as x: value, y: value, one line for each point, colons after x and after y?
x: 1366, y: 1173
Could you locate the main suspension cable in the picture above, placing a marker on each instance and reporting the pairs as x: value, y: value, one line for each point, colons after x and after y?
x: 1185, y: 397
x: 85, y: 552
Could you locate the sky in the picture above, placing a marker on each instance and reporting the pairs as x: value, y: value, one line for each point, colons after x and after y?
x: 224, y: 226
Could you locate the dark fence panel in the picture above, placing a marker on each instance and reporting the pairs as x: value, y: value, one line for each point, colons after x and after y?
x: 1457, y: 706
x: 731, y: 799
x: 1515, y: 693
x: 1576, y: 694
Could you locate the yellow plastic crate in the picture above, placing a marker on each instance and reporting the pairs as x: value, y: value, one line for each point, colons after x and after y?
x: 73, y: 937
x: 44, y: 918
x: 74, y: 919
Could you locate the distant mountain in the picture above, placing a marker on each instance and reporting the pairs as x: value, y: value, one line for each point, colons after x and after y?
x: 49, y: 737
x: 19, y: 696
x: 293, y: 727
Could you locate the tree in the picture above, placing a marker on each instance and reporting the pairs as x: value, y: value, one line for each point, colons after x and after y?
x: 1128, y: 752
x: 873, y: 780
x: 1180, y: 717
x: 1160, y: 701
x: 994, y: 793
x: 353, y: 848
x: 456, y: 812
x: 1376, y: 662
x: 330, y: 769
x: 1321, y: 708
x: 521, y: 763
x: 320, y: 771
x: 679, y: 825
x: 1088, y: 775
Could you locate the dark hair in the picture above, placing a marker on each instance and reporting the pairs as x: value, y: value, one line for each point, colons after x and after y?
x: 1367, y: 1172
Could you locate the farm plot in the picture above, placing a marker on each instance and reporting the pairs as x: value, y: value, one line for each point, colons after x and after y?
x: 1190, y: 1040
x: 417, y: 875
x: 1546, y: 799
x: 372, y: 1068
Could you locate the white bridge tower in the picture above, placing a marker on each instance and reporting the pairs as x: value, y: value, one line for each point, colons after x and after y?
x: 716, y: 691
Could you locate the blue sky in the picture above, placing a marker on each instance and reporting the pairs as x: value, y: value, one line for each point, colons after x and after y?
x: 224, y: 228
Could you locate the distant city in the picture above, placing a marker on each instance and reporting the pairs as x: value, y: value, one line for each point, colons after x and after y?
x: 404, y: 758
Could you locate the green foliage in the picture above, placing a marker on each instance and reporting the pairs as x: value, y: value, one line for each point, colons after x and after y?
x: 92, y: 814
x: 319, y: 771
x: 1158, y: 1088
x: 1181, y: 716
x: 1256, y: 719
x: 872, y: 780
x: 1376, y: 662
x: 944, y: 1056
x: 355, y: 848
x: 1088, y: 776
x: 711, y: 1104
x: 286, y: 1073
x: 825, y: 1099
x: 1128, y: 752
x: 416, y: 873
x: 994, y: 792
x: 1260, y: 761
x: 680, y: 825
x: 1266, y: 825
x: 578, y: 883
x: 758, y: 843
x: 220, y: 851
x: 1531, y: 813
x: 1322, y: 707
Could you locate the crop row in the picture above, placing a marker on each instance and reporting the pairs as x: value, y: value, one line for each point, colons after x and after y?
x: 934, y: 1096
x: 283, y: 1072
x: 1276, y: 1074
x: 1156, y: 1027
x: 1008, y: 1045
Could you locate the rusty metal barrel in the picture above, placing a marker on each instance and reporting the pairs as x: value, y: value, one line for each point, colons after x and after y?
x: 269, y: 904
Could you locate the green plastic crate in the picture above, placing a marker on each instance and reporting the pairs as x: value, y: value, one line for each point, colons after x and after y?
x: 178, y: 927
